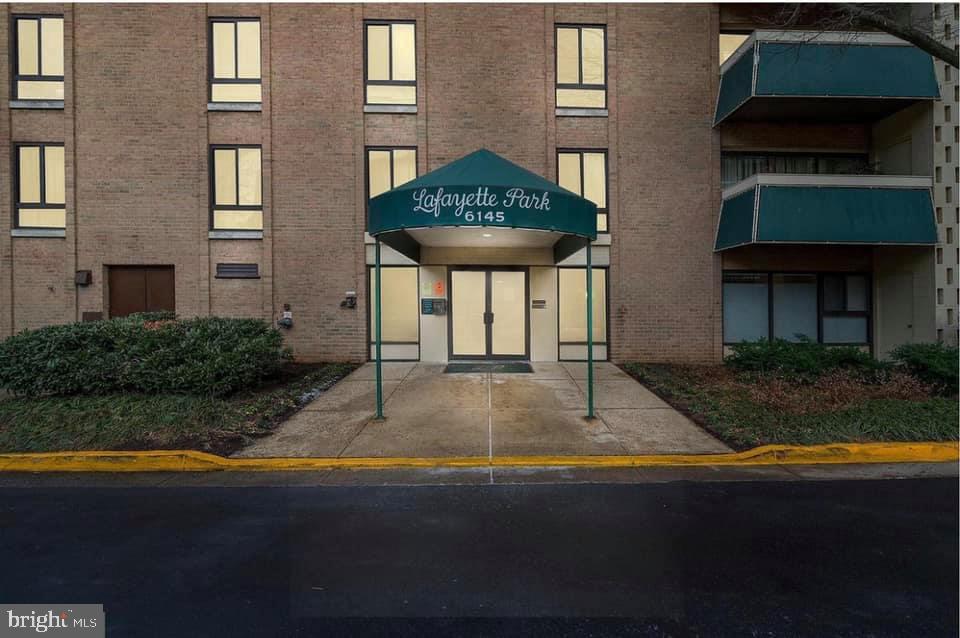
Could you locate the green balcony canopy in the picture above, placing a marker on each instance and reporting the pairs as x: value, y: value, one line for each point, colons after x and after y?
x: 827, y: 214
x: 842, y: 77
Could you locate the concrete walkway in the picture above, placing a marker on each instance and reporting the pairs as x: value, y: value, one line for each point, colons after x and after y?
x: 431, y: 414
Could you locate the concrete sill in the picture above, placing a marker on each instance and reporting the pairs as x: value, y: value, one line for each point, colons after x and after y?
x: 235, y: 234
x: 582, y: 112
x: 389, y: 108
x: 234, y: 106
x: 38, y: 232
x: 36, y: 104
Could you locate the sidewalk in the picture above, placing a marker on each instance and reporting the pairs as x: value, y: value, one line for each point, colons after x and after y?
x: 432, y: 414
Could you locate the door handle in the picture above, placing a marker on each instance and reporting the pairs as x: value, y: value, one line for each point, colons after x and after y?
x: 487, y: 317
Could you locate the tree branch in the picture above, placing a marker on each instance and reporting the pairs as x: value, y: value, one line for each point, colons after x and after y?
x: 903, y: 31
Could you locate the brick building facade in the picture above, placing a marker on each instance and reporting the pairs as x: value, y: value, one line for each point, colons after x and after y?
x: 137, y: 125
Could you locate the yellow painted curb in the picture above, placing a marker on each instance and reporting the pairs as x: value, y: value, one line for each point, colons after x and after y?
x: 192, y: 461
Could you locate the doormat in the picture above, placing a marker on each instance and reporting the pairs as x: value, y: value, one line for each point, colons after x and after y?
x: 507, y: 366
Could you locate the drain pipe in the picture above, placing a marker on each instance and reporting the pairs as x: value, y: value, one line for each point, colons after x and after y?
x: 378, y: 320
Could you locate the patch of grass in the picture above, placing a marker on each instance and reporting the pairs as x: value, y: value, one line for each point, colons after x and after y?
x: 747, y: 410
x: 147, y: 422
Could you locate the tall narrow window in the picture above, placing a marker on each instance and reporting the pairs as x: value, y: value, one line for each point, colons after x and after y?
x: 572, y: 283
x: 38, y: 69
x: 400, y: 323
x: 581, y: 66
x: 235, y: 60
x: 845, y: 317
x: 41, y: 201
x: 235, y: 184
x: 388, y: 168
x: 585, y: 173
x: 391, y: 63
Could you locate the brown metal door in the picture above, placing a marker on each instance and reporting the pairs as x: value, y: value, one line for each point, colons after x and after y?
x: 141, y: 289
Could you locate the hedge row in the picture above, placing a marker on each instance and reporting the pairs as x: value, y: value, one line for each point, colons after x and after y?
x: 150, y: 353
x: 933, y: 363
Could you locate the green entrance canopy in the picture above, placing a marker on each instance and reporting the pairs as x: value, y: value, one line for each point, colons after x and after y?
x: 482, y: 189
x: 871, y: 210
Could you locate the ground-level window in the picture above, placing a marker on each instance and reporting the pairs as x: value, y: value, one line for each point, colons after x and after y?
x: 829, y: 308
x: 235, y: 60
x: 585, y: 173
x: 401, y: 304
x: 235, y: 176
x: 391, y: 63
x: 388, y: 168
x: 572, y: 302
x: 41, y: 201
x: 38, y: 51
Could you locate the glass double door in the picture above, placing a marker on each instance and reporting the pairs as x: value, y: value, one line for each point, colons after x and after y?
x: 488, y: 313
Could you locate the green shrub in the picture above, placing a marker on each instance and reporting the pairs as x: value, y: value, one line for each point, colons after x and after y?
x: 804, y: 360
x: 203, y: 356
x: 934, y: 363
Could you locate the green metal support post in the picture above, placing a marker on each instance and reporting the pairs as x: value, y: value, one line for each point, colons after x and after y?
x: 589, y: 331
x: 377, y: 321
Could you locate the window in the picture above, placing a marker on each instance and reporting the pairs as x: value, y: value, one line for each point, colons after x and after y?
x: 581, y: 66
x: 949, y: 235
x: 949, y: 276
x: 391, y: 63
x: 585, y: 173
x: 939, y: 255
x: 936, y: 134
x: 795, y: 307
x: 846, y: 309
x: 572, y: 295
x: 940, y: 296
x: 745, y: 307
x: 729, y: 43
x: 736, y: 167
x: 939, y: 212
x: 235, y: 202
x: 937, y: 175
x: 38, y: 72
x: 399, y: 293
x: 949, y: 316
x: 833, y: 309
x: 948, y: 154
x: 41, y: 201
x: 388, y: 168
x: 235, y: 60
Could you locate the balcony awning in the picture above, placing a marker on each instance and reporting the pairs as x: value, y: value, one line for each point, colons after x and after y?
x: 482, y: 198
x: 827, y: 209
x: 777, y: 75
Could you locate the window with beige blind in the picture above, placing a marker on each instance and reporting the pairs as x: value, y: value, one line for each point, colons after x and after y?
x: 581, y: 55
x: 572, y: 285
x: 390, y: 63
x: 38, y: 52
x: 41, y: 196
x: 235, y: 60
x: 585, y: 173
x: 388, y: 168
x: 401, y: 304
x: 235, y: 188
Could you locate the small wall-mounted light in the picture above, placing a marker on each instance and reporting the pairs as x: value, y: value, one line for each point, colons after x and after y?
x: 83, y: 277
x: 350, y: 300
x: 286, y: 317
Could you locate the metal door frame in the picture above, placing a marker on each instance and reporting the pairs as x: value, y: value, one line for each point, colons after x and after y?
x: 489, y: 356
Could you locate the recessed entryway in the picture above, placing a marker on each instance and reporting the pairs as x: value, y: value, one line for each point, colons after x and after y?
x: 488, y: 313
